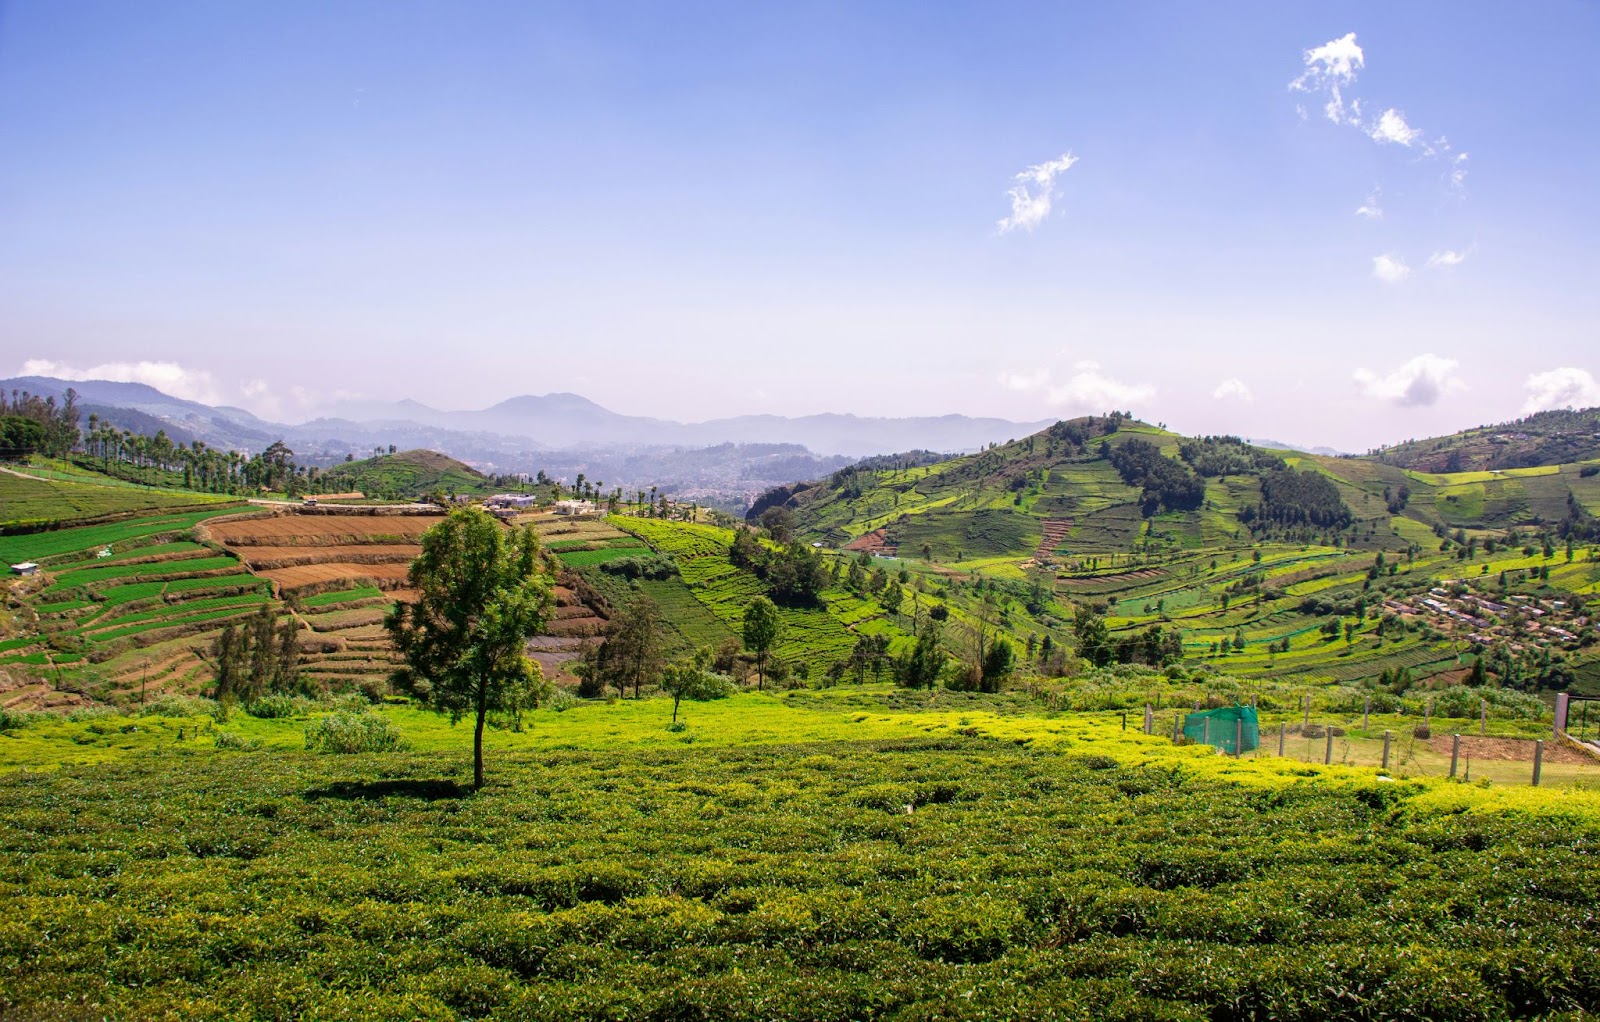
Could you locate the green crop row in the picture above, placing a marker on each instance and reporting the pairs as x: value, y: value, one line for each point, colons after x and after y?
x: 921, y: 871
x: 342, y: 596
x: 682, y: 540
x: 115, y: 572
x: 41, y: 545
x: 583, y: 558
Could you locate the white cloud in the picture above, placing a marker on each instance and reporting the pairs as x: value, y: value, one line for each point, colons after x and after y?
x: 1329, y: 69
x: 168, y: 377
x: 1392, y: 127
x: 256, y: 395
x: 1447, y: 258
x: 1088, y: 389
x: 1025, y: 380
x: 1372, y: 209
x: 1032, y: 193
x: 1566, y: 387
x: 1235, y: 388
x: 1390, y: 269
x: 1419, y: 383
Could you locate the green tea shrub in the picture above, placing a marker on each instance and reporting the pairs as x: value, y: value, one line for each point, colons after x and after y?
x: 347, y: 732
x: 561, y: 700
x: 83, y: 713
x: 12, y: 720
x: 179, y: 706
x: 275, y: 707
x: 229, y: 740
x: 1464, y: 702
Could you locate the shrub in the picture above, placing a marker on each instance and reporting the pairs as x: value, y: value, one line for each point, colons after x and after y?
x: 179, y: 706
x: 561, y: 700
x: 347, y: 732
x: 1463, y: 702
x: 274, y: 707
x: 229, y: 740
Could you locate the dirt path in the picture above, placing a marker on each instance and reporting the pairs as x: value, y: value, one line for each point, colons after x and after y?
x: 1518, y: 750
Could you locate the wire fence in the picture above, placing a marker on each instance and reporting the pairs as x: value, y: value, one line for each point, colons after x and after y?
x: 1439, y: 749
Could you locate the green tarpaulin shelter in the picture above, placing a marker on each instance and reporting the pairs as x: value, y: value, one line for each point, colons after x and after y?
x: 1233, y: 729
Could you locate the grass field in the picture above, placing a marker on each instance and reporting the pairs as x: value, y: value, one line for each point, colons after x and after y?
x: 838, y: 855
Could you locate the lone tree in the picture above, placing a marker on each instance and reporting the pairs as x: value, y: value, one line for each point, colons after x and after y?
x: 693, y: 678
x: 762, y: 628
x: 482, y: 593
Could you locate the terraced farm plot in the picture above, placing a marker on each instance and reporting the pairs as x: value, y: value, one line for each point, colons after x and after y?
x: 299, y: 551
x: 584, y: 558
x: 45, y: 546
x: 28, y: 502
x: 298, y: 528
x: 386, y: 576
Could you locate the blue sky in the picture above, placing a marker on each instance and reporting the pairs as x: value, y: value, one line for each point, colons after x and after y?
x: 694, y: 211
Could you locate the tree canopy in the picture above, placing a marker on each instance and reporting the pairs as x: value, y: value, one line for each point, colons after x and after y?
x: 482, y: 593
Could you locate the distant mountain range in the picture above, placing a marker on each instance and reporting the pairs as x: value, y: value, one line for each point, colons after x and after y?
x: 562, y: 434
x: 547, y: 422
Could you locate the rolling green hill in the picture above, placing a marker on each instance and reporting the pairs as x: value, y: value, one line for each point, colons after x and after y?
x: 407, y: 474
x: 1268, y: 563
x: 1544, y: 438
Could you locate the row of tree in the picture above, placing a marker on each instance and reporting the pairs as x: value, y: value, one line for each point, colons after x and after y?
x: 57, y: 424
x: 259, y: 657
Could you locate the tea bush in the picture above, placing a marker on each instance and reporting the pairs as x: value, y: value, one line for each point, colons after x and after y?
x: 347, y: 732
x: 1106, y: 879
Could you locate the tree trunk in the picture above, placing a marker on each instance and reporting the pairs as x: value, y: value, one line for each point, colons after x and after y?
x: 675, y: 701
x: 477, y: 746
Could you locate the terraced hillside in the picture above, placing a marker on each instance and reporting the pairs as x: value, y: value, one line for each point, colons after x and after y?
x: 120, y: 610
x: 1268, y: 563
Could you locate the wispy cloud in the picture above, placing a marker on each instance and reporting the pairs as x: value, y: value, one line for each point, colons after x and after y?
x: 1391, y: 127
x: 1233, y: 388
x: 1371, y: 209
x: 1566, y: 387
x: 1330, y: 69
x: 167, y: 377
x: 1088, y: 389
x: 1390, y: 269
x: 1032, y: 193
x: 189, y: 384
x: 1419, y: 383
x: 1447, y: 258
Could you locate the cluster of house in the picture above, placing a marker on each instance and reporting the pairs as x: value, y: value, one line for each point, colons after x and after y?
x: 1521, y: 620
x: 510, y: 503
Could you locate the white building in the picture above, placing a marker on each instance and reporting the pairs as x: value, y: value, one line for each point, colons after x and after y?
x: 576, y: 507
x: 26, y: 568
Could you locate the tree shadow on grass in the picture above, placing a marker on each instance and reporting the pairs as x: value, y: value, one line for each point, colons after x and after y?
x: 372, y: 791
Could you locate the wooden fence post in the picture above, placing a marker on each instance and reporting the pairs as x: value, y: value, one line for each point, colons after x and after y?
x: 1538, y: 761
x: 1177, y: 726
x: 1366, y: 711
x: 1124, y: 720
x: 1455, y: 754
x: 1149, y: 719
x: 1208, y: 730
x: 1283, y: 732
x: 1386, y: 736
x: 1307, y: 721
x: 1327, y: 756
x: 1238, y: 738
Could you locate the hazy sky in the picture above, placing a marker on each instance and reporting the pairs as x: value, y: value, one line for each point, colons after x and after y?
x: 1342, y: 224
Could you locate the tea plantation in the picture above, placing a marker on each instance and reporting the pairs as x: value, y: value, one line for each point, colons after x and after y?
x: 805, y: 856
